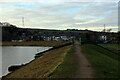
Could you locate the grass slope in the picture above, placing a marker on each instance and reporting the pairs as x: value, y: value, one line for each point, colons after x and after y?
x: 42, y: 66
x: 105, y: 66
x: 113, y: 47
x: 68, y: 68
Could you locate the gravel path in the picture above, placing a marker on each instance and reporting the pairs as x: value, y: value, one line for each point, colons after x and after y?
x: 84, y: 68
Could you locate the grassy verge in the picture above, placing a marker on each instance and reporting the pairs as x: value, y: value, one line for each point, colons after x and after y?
x: 42, y: 66
x: 105, y: 66
x: 113, y: 47
x: 68, y: 67
x: 34, y: 43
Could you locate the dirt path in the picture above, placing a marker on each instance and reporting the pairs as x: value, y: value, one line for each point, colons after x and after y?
x: 84, y: 68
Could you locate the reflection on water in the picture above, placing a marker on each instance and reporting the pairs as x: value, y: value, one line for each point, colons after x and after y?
x: 18, y: 55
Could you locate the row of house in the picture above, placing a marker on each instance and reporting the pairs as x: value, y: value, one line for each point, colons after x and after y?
x: 65, y: 36
x: 13, y: 33
x: 45, y: 37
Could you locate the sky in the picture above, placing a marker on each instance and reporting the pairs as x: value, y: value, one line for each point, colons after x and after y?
x: 61, y: 15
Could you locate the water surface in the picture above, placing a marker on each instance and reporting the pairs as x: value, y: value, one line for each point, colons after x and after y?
x: 18, y: 55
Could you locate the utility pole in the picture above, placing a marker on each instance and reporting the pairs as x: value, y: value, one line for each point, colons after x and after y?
x: 23, y: 21
x: 104, y: 28
x: 104, y: 33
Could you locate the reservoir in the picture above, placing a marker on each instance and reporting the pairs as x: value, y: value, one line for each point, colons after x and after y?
x: 17, y: 55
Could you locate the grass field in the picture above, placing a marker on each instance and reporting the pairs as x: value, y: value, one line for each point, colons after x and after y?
x: 111, y: 46
x: 42, y: 66
x: 34, y: 43
x: 104, y: 65
x: 114, y: 47
x: 68, y: 68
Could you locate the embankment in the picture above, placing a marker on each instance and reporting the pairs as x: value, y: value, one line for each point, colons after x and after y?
x: 34, y: 43
x: 102, y: 61
x: 69, y: 67
x: 42, y: 66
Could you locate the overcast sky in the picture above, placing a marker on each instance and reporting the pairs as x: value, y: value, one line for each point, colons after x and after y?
x: 61, y: 15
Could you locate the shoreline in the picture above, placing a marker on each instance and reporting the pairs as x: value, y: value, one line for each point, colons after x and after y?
x: 34, y: 43
x: 47, y: 51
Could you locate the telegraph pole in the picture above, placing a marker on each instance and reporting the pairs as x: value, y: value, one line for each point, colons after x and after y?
x: 104, y: 33
x: 23, y: 21
x: 104, y: 28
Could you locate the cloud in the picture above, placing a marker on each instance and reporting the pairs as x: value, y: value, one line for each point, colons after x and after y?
x: 60, y: 15
x: 91, y: 21
x: 58, y: 1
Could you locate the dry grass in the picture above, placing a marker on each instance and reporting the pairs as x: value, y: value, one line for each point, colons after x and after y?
x: 42, y: 66
x: 69, y: 67
x: 0, y: 43
x: 34, y: 43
